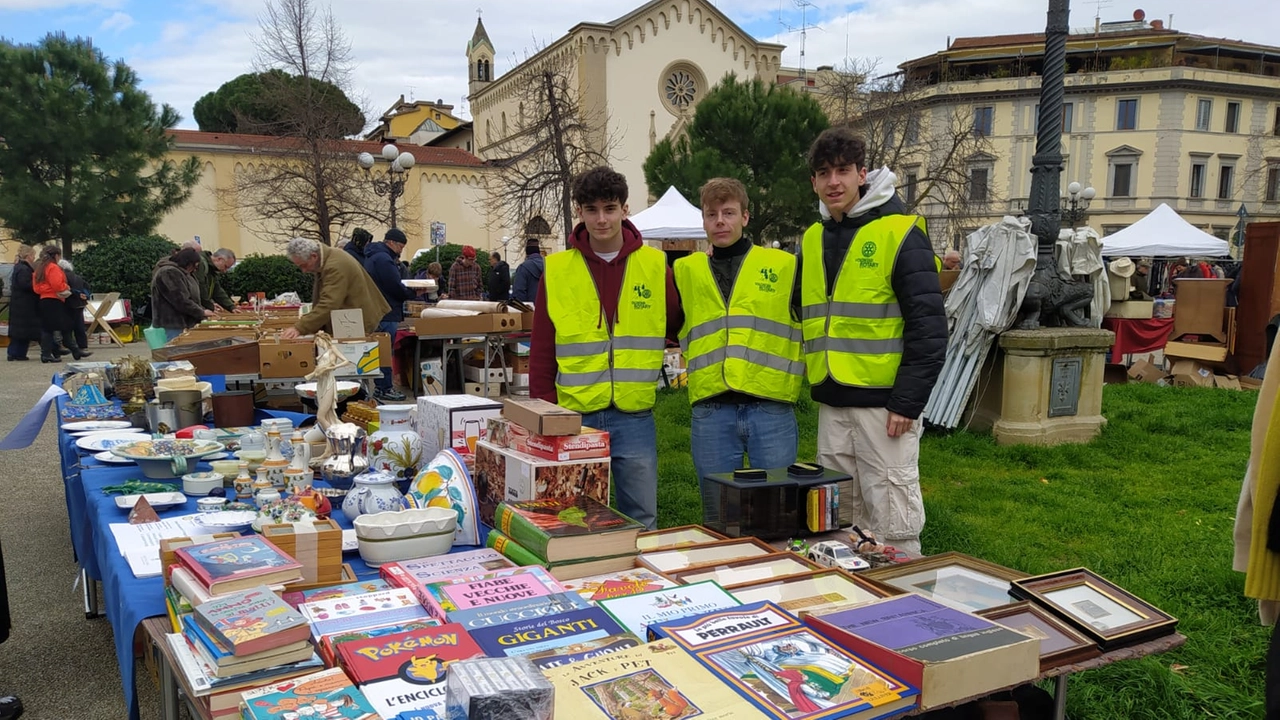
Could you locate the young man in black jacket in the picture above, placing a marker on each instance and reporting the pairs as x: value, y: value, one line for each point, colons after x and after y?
x: 875, y: 334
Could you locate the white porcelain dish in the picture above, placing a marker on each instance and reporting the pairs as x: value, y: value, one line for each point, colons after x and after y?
x: 343, y: 389
x: 405, y: 535
x: 200, y: 483
x: 158, y: 501
x: 225, y: 520
x: 106, y: 456
x: 96, y: 425
x: 216, y: 456
x: 100, y: 442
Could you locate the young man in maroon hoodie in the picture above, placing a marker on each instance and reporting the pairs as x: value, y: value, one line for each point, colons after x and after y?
x: 604, y: 310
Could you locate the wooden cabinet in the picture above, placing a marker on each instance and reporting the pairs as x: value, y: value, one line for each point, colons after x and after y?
x: 1259, y: 293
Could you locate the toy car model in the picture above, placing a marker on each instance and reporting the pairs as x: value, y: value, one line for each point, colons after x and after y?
x: 799, y: 546
x: 833, y: 553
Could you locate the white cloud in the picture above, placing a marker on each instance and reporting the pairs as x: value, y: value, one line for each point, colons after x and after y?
x: 117, y: 22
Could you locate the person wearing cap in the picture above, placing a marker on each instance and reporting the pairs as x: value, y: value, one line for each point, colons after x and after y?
x: 465, y: 280
x: 524, y: 286
x: 382, y: 262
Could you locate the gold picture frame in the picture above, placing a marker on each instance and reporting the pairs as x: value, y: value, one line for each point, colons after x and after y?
x: 1060, y: 644
x: 959, y: 581
x: 751, y: 570
x: 816, y: 593
x: 1105, y: 612
x: 673, y: 537
x: 672, y: 560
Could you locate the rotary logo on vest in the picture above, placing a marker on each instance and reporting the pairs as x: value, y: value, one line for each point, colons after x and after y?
x: 868, y: 252
x: 768, y: 278
x: 643, y: 293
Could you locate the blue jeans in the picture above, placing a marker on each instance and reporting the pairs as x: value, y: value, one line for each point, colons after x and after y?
x: 171, y: 333
x: 384, y: 383
x: 633, y: 441
x: 764, y: 430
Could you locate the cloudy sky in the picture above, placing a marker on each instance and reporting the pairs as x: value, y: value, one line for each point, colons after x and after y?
x: 186, y: 48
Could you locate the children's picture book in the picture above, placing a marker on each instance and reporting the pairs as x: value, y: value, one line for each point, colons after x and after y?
x: 557, y: 530
x: 422, y: 588
x: 326, y: 694
x: 618, y: 584
x: 236, y: 563
x: 535, y: 607
x: 407, y: 671
x: 503, y: 586
x: 786, y: 669
x: 360, y: 587
x: 526, y: 637
x: 637, y: 612
x: 329, y: 644
x: 360, y: 612
x: 252, y: 621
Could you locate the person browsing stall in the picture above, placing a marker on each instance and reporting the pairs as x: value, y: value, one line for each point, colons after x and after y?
x: 466, y: 282
x: 603, y: 312
x: 340, y: 284
x: 382, y: 262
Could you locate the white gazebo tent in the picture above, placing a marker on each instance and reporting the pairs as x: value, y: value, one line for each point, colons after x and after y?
x: 1163, y: 233
x: 671, y: 218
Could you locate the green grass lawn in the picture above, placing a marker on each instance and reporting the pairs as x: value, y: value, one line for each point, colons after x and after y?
x: 1149, y: 505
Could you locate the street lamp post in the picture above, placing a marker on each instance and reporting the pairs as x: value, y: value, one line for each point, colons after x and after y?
x: 390, y: 185
x: 1077, y: 204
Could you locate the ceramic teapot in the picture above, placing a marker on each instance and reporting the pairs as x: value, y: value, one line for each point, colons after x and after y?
x: 373, y: 492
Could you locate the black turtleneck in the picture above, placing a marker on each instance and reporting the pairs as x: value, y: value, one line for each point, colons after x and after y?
x: 725, y: 263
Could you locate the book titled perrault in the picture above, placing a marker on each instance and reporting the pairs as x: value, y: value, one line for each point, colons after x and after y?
x: 560, y: 530
x: 407, y: 671
x: 252, y: 621
x: 328, y: 694
x: 225, y: 566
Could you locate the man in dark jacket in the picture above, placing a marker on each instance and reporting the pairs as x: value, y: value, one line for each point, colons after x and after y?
x: 499, y: 278
x: 355, y: 247
x: 524, y: 286
x: 875, y: 336
x: 175, y: 297
x: 75, y: 305
x: 382, y: 262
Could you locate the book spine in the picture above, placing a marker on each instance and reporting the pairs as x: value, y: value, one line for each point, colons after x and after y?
x: 514, y: 551
x: 811, y: 510
x: 518, y: 528
x: 835, y: 506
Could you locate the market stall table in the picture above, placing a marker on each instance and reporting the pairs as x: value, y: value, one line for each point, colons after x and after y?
x: 1137, y: 335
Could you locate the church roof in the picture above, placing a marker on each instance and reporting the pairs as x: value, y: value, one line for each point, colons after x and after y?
x: 479, y: 36
x: 187, y: 140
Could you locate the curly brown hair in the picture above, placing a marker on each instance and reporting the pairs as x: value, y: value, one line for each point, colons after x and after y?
x: 599, y: 184
x: 835, y: 147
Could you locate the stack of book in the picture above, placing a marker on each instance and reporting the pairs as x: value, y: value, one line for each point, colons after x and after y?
x: 571, y: 538
x: 325, y: 694
x: 351, y: 615
x: 208, y: 570
x: 822, y: 508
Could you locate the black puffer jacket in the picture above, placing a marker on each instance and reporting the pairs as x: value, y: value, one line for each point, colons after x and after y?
x: 915, y: 282
x: 24, y: 315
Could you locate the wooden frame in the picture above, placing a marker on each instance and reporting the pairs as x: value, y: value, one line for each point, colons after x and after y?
x: 731, y: 574
x: 1060, y: 644
x: 673, y: 537
x: 823, y: 588
x: 689, y: 557
x: 972, y: 585
x: 1105, y: 612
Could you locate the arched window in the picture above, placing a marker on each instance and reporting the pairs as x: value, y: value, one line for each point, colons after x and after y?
x: 537, y: 226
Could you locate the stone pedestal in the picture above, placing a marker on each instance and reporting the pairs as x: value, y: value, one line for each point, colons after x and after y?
x: 1051, y: 386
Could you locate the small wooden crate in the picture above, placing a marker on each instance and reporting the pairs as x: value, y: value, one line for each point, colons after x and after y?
x: 168, y: 547
x: 320, y: 552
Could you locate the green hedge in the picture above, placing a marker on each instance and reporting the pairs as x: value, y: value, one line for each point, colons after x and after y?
x: 448, y: 254
x: 270, y: 274
x: 123, y: 265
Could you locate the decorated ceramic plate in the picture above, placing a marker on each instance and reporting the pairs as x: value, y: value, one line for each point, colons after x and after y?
x: 148, y: 449
x: 344, y: 389
x: 107, y: 457
x: 159, y: 501
x: 96, y: 425
x: 99, y: 442
x: 225, y: 520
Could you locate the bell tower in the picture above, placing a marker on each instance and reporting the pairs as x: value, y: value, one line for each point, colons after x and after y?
x: 479, y: 60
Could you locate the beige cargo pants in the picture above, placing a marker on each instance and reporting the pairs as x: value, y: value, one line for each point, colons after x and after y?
x: 885, y: 470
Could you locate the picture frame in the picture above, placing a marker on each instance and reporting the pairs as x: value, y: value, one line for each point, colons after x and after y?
x: 673, y: 537
x: 959, y: 581
x: 1105, y: 612
x: 1060, y: 644
x: 750, y: 570
x: 675, y: 559
x: 816, y: 593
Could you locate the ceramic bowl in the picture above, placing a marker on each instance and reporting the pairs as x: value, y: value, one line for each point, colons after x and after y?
x: 225, y: 520
x: 226, y: 468
x: 253, y: 457
x: 200, y: 483
x: 166, y: 459
x: 405, y: 535
x: 344, y: 390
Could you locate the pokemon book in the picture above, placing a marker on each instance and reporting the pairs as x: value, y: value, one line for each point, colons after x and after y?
x: 407, y: 671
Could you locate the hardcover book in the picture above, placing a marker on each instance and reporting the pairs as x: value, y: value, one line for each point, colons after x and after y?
x: 637, y: 612
x: 252, y: 621
x: 561, y: 530
x: 529, y: 609
x: 657, y: 680
x: 298, y: 597
x: 329, y: 643
x: 225, y: 566
x: 528, y: 637
x: 328, y: 693
x: 415, y: 575
x: 561, y: 571
x: 785, y: 669
x: 407, y: 671
x: 510, y: 585
x: 618, y: 584
x: 213, y: 653
x: 361, y: 612
x: 948, y: 654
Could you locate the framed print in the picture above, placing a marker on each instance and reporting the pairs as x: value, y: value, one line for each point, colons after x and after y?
x: 816, y: 593
x: 1060, y: 644
x: 954, y: 579
x: 741, y: 572
x: 1108, y: 614
x: 674, y: 560
x: 677, y: 537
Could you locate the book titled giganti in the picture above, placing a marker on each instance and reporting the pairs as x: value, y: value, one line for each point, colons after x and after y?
x: 224, y: 566
x: 561, y: 530
x: 328, y: 694
x: 407, y: 671
x: 657, y: 680
x: 252, y: 621
x: 786, y: 669
x: 557, y: 639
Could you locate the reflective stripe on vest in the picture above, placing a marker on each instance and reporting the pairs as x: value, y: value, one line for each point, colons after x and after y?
x: 751, y: 345
x: 854, y: 336
x: 597, y: 368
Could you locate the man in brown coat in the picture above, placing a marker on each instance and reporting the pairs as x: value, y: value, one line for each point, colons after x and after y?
x: 341, y: 284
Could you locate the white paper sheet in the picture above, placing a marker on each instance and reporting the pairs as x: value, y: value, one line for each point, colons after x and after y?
x: 140, y: 544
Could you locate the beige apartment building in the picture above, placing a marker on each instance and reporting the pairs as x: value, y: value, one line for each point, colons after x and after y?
x: 1152, y: 116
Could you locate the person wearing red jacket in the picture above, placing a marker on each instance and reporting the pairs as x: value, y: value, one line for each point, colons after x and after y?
x: 50, y: 284
x: 598, y: 352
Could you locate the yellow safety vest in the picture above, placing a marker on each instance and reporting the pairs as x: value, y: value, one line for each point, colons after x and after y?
x: 855, y: 335
x: 751, y: 346
x: 598, y: 368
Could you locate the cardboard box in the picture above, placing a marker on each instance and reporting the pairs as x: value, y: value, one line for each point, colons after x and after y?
x: 1248, y: 383
x: 286, y: 358
x: 526, y: 321
x: 503, y: 474
x: 1189, y: 373
x: 368, y: 355
x: 478, y: 389
x: 1146, y: 371
x: 470, y: 325
x: 541, y: 417
x: 1208, y: 352
x: 519, y: 364
x: 1226, y: 382
x: 432, y: 374
x: 520, y: 380
x: 590, y: 444
x: 479, y: 375
x: 454, y: 421
x: 1134, y: 309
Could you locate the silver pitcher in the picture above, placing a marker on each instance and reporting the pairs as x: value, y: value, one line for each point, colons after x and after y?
x: 348, y: 459
x: 162, y: 417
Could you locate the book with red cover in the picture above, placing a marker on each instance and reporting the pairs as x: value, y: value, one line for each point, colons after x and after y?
x: 252, y: 621
x: 225, y: 566
x: 407, y: 671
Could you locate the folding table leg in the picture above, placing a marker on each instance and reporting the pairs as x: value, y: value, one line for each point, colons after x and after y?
x: 168, y: 690
x: 1060, y: 697
x: 89, y: 590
